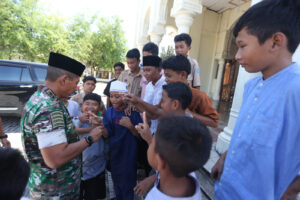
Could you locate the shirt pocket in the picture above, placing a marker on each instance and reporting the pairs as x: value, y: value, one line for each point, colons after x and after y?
x: 266, y: 131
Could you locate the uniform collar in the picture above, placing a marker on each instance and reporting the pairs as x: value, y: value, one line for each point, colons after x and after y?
x: 49, y: 92
x: 138, y: 74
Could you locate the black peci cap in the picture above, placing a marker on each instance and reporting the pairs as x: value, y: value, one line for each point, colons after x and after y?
x: 66, y: 63
x: 154, y: 61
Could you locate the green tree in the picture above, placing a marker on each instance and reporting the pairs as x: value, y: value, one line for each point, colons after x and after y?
x: 108, y: 44
x: 27, y: 33
x: 80, y: 38
x: 167, y: 53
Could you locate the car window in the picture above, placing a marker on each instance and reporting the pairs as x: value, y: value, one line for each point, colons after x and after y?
x: 26, y: 75
x: 10, y: 73
x: 40, y: 73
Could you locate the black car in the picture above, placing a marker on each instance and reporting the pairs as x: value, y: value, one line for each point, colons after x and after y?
x: 18, y: 81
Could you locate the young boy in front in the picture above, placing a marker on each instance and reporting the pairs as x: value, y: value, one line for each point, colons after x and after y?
x: 175, y: 99
x: 180, y: 146
x: 183, y: 43
x: 92, y: 185
x: 122, y: 142
x: 263, y: 156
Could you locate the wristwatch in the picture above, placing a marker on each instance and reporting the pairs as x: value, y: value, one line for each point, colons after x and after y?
x: 3, y: 136
x: 89, y: 140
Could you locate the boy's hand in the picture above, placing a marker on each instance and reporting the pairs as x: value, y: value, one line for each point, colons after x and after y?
x: 217, y: 169
x: 145, y: 185
x: 84, y: 117
x: 5, y: 142
x: 293, y: 190
x: 95, y: 120
x: 125, y: 121
x: 144, y: 130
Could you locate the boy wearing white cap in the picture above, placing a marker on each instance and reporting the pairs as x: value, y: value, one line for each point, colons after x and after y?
x: 122, y: 142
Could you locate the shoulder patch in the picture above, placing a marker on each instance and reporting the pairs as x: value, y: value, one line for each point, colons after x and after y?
x: 57, y: 119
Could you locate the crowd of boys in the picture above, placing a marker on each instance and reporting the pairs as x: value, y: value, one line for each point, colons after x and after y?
x: 70, y: 143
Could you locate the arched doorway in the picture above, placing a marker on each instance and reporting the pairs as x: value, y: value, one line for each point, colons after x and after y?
x: 229, y: 77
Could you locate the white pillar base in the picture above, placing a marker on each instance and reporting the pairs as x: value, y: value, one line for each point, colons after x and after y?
x: 223, y: 141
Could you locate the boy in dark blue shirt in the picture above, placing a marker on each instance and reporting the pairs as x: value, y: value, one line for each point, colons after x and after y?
x: 123, y: 139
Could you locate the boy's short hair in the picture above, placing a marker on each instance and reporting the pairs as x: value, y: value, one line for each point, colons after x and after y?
x: 183, y: 37
x: 152, y: 48
x: 119, y: 64
x: 183, y: 142
x: 14, y: 173
x: 92, y: 96
x: 133, y: 53
x: 270, y: 16
x: 179, y: 91
x: 177, y: 63
x: 89, y: 78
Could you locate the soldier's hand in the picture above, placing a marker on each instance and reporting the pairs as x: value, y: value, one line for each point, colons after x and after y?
x: 144, y: 130
x: 84, y: 117
x: 96, y: 133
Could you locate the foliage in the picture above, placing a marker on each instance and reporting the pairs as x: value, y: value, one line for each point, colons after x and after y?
x: 27, y: 33
x: 108, y: 44
x: 167, y: 53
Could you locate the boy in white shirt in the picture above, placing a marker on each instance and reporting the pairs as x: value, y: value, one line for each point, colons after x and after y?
x: 180, y: 146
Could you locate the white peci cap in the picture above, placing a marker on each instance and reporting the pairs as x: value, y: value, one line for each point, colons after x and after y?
x: 118, y: 86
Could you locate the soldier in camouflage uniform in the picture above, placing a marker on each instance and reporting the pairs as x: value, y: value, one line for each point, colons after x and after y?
x: 48, y: 134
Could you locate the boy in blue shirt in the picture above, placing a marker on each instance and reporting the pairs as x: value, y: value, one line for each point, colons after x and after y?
x: 123, y: 139
x: 92, y: 185
x: 263, y: 156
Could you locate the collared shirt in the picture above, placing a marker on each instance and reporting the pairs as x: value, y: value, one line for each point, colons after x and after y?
x: 263, y: 157
x: 194, y: 77
x: 93, y: 157
x: 133, y: 81
x: 46, y: 123
x: 153, y: 96
x: 202, y: 105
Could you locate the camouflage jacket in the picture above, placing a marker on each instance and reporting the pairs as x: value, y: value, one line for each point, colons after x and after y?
x: 45, y: 113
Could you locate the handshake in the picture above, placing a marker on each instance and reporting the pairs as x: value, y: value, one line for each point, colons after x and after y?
x: 97, y: 129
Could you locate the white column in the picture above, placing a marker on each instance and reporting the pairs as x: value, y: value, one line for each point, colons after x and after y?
x: 216, y: 95
x: 296, y: 56
x: 225, y: 136
x: 184, y: 12
x: 243, y: 76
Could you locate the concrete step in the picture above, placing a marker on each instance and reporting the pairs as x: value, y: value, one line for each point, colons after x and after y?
x: 206, y: 184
